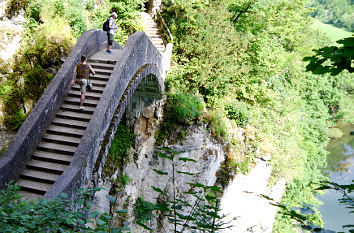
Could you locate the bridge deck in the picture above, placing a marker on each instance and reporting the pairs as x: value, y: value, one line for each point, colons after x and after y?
x: 54, y: 153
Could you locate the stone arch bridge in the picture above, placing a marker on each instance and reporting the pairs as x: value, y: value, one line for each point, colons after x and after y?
x: 56, y: 148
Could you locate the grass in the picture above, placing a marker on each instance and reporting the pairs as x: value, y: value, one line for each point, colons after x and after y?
x: 332, y: 32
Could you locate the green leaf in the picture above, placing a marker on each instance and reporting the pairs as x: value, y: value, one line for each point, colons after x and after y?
x: 121, y: 211
x: 159, y: 191
x: 144, y: 226
x: 165, y: 156
x: 186, y: 173
x: 94, y: 214
x: 80, y: 221
x: 185, y: 159
x: 197, y: 185
x: 63, y: 195
x: 160, y: 172
x: 100, y: 222
x: 111, y: 198
x: 162, y: 207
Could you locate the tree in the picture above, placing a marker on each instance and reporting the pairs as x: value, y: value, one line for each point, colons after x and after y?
x: 340, y: 57
x: 58, y: 215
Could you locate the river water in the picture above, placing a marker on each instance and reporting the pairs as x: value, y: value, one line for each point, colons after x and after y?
x: 340, y: 169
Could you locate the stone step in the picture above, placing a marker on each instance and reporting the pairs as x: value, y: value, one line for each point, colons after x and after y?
x: 151, y: 35
x: 89, y: 95
x: 99, y: 83
x: 103, y: 77
x: 65, y: 130
x: 102, y: 72
x: 76, y: 108
x: 57, y: 148
x: 80, y: 116
x: 61, y: 139
x: 46, y: 166
x: 33, y: 186
x: 76, y: 101
x: 70, y: 123
x: 100, y: 65
x: 39, y: 176
x: 30, y: 196
x: 52, y: 157
x: 96, y: 89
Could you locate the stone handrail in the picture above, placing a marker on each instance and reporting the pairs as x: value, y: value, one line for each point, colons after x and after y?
x: 138, y: 59
x: 30, y: 133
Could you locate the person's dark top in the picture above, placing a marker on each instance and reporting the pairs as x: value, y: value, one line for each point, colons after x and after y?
x: 83, y: 71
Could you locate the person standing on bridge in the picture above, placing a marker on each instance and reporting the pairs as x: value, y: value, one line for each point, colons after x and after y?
x: 111, y: 32
x: 82, y: 69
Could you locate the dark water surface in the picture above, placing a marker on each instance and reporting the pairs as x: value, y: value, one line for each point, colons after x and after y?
x: 340, y: 169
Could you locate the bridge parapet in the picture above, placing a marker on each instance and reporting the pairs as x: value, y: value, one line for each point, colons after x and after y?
x: 32, y: 130
x: 139, y: 59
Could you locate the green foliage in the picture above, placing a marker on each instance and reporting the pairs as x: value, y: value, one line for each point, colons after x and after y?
x: 143, y: 211
x: 119, y: 152
x: 13, y: 106
x: 34, y: 9
x: 13, y: 7
x: 58, y: 215
x: 305, y: 216
x: 238, y: 112
x: 218, y: 125
x: 181, y: 109
x: 340, y: 58
x: 184, y: 108
x: 245, y: 59
x: 331, y: 31
x: 124, y: 179
x: 337, y: 12
x: 43, y: 50
x: 200, y: 215
x: 121, y: 143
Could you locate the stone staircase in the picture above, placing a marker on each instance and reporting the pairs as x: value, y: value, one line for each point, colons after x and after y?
x: 152, y: 31
x: 54, y: 153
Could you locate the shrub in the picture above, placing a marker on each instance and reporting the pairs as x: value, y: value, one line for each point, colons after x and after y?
x: 119, y: 151
x: 218, y: 125
x: 238, y: 112
x: 143, y: 210
x: 58, y: 215
x: 13, y: 7
x: 185, y: 107
x: 13, y: 107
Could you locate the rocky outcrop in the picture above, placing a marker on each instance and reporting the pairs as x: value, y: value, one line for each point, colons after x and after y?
x: 10, y: 33
x: 243, y: 199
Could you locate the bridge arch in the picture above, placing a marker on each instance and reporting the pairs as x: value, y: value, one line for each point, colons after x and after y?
x: 139, y: 67
x: 138, y: 63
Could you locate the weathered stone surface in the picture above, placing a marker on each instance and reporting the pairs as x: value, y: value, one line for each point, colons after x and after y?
x: 242, y: 199
x: 198, y: 145
x: 30, y: 133
x: 138, y: 59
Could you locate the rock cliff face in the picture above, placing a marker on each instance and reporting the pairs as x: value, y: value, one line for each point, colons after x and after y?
x: 11, y: 31
x: 241, y: 198
x: 198, y: 145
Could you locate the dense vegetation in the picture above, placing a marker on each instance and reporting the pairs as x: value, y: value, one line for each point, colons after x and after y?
x: 245, y: 59
x: 337, y: 12
x: 52, y: 29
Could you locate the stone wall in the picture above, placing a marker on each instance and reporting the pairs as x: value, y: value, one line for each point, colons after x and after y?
x: 138, y: 59
x: 32, y: 130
